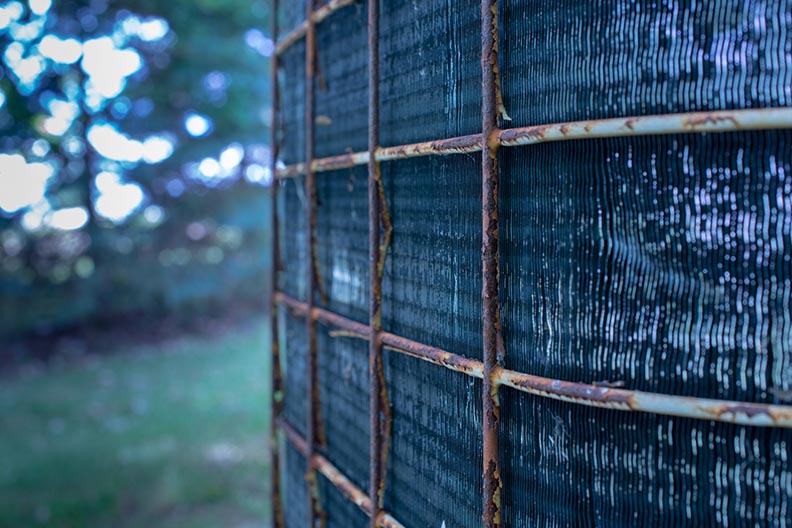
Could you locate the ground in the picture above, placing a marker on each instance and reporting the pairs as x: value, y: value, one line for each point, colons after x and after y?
x: 162, y: 434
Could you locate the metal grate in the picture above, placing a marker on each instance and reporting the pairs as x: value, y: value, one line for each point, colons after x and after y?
x: 562, y: 398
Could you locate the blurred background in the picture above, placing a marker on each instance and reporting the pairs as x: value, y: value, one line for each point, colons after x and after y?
x: 134, y: 168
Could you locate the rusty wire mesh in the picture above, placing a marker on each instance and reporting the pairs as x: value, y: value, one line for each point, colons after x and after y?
x: 572, y: 308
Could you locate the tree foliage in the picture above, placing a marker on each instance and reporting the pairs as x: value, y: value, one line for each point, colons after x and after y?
x: 133, y: 157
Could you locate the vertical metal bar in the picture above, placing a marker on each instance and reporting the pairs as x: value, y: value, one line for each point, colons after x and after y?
x: 493, y: 344
x: 277, y: 377
x: 379, y: 419
x: 311, y: 362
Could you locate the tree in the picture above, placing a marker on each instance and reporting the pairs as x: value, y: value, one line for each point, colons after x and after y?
x: 143, y: 120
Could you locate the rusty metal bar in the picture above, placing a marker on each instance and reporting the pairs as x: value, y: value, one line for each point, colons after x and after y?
x: 300, y: 31
x: 743, y: 413
x: 293, y: 436
x: 379, y: 406
x: 332, y: 319
x: 344, y: 485
x: 315, y: 514
x: 338, y: 479
x: 386, y: 520
x: 341, y: 162
x: 684, y: 123
x: 276, y: 393
x: 291, y: 171
x: 591, y: 394
x: 408, y: 347
x: 492, y: 342
x: 405, y: 346
x: 651, y: 125
x: 442, y: 147
x: 490, y: 369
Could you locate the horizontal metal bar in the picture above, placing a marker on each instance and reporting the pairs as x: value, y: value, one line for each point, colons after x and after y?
x: 291, y: 171
x: 343, y: 161
x: 691, y: 122
x: 345, y: 486
x: 300, y: 31
x: 299, y: 443
x: 386, y: 520
x: 443, y: 147
x: 686, y: 123
x: 744, y: 413
x: 408, y: 347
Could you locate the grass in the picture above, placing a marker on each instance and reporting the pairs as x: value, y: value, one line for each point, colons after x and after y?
x: 172, y: 434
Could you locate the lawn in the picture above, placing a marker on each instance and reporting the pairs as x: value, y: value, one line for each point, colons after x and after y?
x: 172, y: 434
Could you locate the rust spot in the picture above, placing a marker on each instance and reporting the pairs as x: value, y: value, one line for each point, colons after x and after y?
x: 438, y: 356
x: 512, y: 135
x: 571, y: 390
x: 491, y: 412
x: 456, y: 145
x: 709, y: 119
x: 747, y: 409
x: 493, y: 485
x: 386, y: 521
